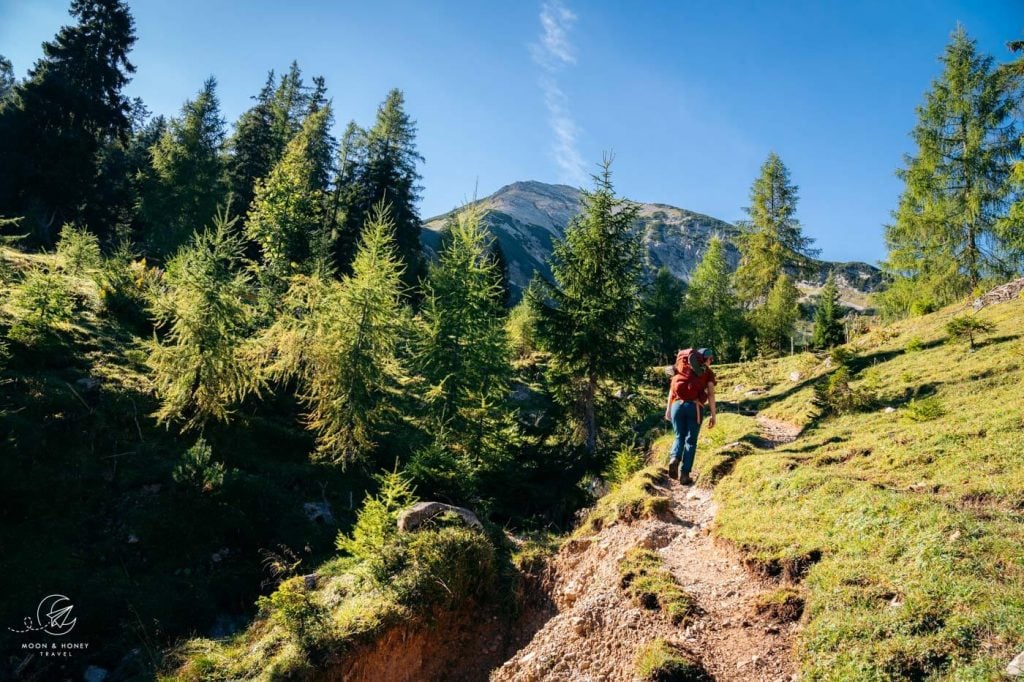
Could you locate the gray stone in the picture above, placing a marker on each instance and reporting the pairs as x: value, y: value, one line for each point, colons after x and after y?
x: 1016, y: 666
x: 88, y: 383
x: 319, y: 512
x: 795, y: 376
x: 422, y: 512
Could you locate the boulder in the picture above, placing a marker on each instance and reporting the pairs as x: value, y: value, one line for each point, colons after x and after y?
x: 422, y: 512
x: 319, y: 512
x: 1016, y: 666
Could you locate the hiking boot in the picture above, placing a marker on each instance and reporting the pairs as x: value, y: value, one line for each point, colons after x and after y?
x: 673, y: 469
x: 684, y: 479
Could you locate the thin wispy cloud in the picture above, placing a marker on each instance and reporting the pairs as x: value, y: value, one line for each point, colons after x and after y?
x: 552, y: 53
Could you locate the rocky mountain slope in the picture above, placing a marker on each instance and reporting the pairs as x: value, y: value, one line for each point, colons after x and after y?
x: 527, y: 217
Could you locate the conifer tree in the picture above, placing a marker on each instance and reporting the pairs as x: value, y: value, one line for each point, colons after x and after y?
x: 775, y: 320
x: 712, y: 314
x: 945, y: 239
x: 286, y: 218
x: 388, y: 173
x: 339, y: 338
x: 1010, y: 229
x: 252, y: 149
x: 186, y: 184
x: 663, y: 313
x: 828, y: 327
x: 7, y: 79
x: 591, y: 320
x: 772, y: 240
x: 199, y: 366
x: 56, y: 121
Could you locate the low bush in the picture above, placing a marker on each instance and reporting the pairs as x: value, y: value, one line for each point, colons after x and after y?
x: 835, y: 395
x: 626, y: 462
x: 924, y: 409
x: 198, y: 469
x: 41, y: 303
x: 78, y: 250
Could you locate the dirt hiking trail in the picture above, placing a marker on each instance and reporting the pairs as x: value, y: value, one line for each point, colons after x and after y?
x: 599, y: 630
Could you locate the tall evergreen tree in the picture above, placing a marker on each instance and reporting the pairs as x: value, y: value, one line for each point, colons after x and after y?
x: 56, y: 121
x: 1010, y: 229
x: 199, y: 366
x: 287, y: 214
x: 186, y: 183
x: 7, y: 79
x: 252, y: 149
x: 591, y: 321
x: 945, y: 239
x: 712, y: 314
x: 663, y: 314
x: 772, y: 240
x: 339, y: 338
x: 828, y: 327
x: 388, y: 173
x: 776, y: 319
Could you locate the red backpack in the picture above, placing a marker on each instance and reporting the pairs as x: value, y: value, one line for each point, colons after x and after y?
x: 690, y: 365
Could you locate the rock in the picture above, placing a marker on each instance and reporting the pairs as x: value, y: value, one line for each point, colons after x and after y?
x: 659, y: 537
x: 94, y: 673
x: 1016, y: 666
x: 132, y: 538
x: 88, y: 383
x: 220, y: 555
x: 889, y: 409
x: 1001, y: 294
x: 310, y: 581
x: 795, y: 376
x: 422, y: 512
x: 319, y: 512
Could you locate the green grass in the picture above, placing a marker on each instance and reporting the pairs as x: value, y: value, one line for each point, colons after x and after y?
x: 650, y: 585
x: 635, y: 498
x: 905, y: 527
x: 661, y: 661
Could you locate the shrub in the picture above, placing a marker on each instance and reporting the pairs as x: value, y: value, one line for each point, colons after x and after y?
x: 626, y: 462
x: 966, y: 327
x: 925, y: 409
x: 834, y: 395
x: 79, y: 250
x: 125, y: 283
x: 915, y: 344
x: 521, y: 327
x: 294, y: 608
x: 660, y: 661
x: 41, y: 302
x: 372, y: 540
x: 198, y: 469
x: 841, y: 356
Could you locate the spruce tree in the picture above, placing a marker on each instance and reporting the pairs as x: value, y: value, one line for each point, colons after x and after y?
x: 1010, y: 229
x: 7, y: 79
x: 828, y: 327
x: 712, y: 315
x: 388, y: 173
x: 251, y: 151
x: 591, y: 320
x: 945, y: 239
x: 56, y: 121
x: 663, y: 302
x: 199, y: 365
x: 776, y: 319
x: 186, y: 182
x: 286, y: 218
x: 771, y: 240
x: 339, y: 339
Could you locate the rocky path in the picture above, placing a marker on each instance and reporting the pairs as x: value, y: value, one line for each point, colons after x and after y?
x: 598, y: 631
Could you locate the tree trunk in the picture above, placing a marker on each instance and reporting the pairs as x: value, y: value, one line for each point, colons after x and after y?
x: 589, y: 418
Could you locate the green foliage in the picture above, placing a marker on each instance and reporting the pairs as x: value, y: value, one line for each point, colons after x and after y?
x: 663, y: 315
x: 126, y: 283
x: 198, y: 469
x: 373, y: 537
x: 967, y: 327
x: 772, y: 240
x: 294, y: 608
x: 712, y: 314
x: 185, y: 185
x: 591, y: 321
x: 774, y: 321
x: 79, y: 250
x: 199, y: 366
x: 339, y: 339
x: 379, y: 165
x: 521, y: 329
x: 924, y: 409
x: 662, y: 661
x: 915, y: 344
x: 55, y: 124
x: 948, y: 234
x: 287, y: 214
x: 834, y: 395
x: 635, y: 498
x: 625, y: 462
x: 42, y: 303
x: 828, y: 327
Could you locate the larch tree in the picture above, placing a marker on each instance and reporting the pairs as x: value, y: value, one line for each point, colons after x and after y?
x: 339, y: 340
x: 55, y: 123
x: 591, y: 319
x: 712, y: 315
x: 776, y: 319
x: 663, y: 315
x: 186, y: 182
x: 772, y: 240
x: 946, y: 238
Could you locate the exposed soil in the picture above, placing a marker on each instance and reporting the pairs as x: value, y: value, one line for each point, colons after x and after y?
x: 598, y: 630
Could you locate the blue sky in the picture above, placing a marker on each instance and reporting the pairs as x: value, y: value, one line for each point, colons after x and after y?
x: 690, y: 95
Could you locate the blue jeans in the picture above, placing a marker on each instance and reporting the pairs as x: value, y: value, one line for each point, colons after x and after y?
x: 687, y: 428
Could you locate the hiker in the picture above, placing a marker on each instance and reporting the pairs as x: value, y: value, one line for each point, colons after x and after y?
x: 691, y: 391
